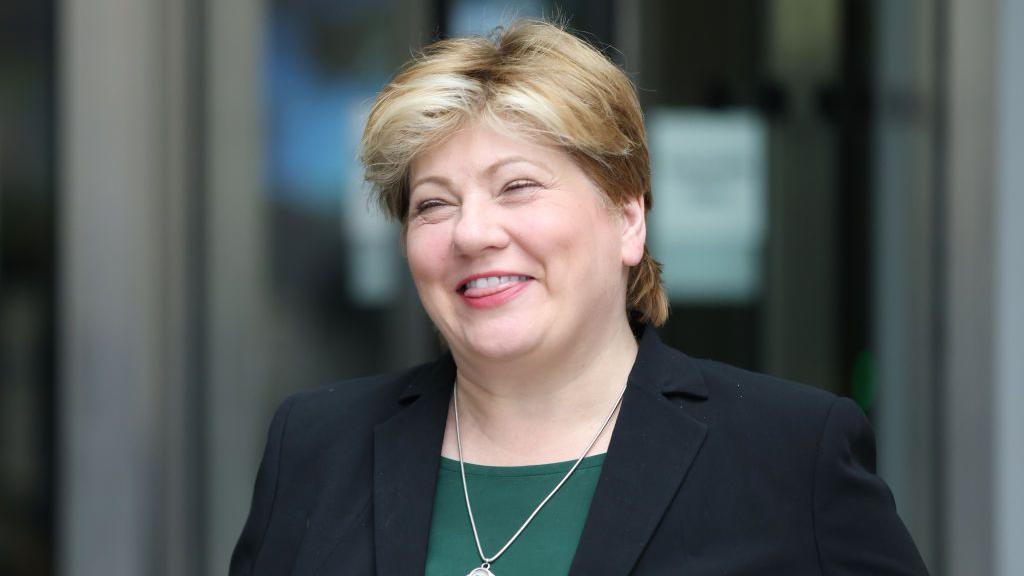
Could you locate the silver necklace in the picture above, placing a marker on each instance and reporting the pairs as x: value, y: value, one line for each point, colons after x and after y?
x: 486, y: 561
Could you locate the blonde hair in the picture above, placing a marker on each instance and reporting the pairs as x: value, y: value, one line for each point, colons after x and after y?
x: 535, y: 78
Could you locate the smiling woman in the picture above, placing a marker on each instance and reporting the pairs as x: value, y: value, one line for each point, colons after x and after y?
x: 506, y: 236
x: 558, y: 435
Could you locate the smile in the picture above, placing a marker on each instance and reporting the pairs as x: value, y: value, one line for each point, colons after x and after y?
x: 490, y: 291
x: 488, y: 282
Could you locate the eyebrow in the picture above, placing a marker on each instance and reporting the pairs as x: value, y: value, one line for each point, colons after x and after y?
x: 489, y: 171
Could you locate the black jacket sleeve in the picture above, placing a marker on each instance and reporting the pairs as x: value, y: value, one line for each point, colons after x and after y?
x: 249, y: 543
x: 855, y: 522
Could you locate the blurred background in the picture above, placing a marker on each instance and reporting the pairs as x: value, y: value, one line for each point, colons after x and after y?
x: 185, y: 239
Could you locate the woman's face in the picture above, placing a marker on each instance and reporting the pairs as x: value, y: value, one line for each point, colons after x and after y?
x: 513, y: 249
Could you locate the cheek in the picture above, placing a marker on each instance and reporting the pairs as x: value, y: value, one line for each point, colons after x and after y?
x: 585, y: 225
x: 548, y: 235
x: 571, y: 240
x: 425, y: 254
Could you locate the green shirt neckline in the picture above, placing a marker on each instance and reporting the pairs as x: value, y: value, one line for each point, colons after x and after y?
x: 550, y: 469
x: 503, y: 497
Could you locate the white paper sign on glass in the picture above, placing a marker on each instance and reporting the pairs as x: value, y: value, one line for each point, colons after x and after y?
x: 709, y: 221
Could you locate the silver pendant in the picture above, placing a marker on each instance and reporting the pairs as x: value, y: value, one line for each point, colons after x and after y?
x: 481, y: 571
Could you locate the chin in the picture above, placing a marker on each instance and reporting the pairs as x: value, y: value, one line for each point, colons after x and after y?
x: 498, y: 351
x: 500, y: 340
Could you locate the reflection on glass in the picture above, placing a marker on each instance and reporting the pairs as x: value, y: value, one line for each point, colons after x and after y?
x: 317, y: 107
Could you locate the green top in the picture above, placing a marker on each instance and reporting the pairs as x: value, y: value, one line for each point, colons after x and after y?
x: 502, y: 498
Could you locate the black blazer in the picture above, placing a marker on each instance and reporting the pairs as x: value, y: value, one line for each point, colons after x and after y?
x: 710, y: 470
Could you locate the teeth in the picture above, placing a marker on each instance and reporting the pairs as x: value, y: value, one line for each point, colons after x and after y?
x: 492, y: 281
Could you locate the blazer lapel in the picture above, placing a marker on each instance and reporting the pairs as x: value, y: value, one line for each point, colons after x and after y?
x: 651, y: 450
x: 406, y: 460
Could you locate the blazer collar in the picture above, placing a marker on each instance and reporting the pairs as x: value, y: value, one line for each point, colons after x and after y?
x: 407, y: 454
x: 665, y: 370
x: 651, y: 449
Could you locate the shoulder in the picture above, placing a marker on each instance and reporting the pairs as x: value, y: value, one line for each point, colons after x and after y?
x: 363, y: 395
x: 318, y: 438
x: 764, y: 393
x: 344, y: 410
x: 805, y: 459
x: 766, y: 415
x: 719, y: 393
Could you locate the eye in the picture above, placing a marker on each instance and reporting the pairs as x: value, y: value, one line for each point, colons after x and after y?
x: 427, y: 205
x: 519, y: 185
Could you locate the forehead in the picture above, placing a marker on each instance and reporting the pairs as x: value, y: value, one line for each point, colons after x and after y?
x: 479, y: 147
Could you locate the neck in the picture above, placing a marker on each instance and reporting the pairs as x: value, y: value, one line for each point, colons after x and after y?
x: 539, y: 410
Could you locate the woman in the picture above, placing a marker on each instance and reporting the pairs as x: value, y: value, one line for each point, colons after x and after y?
x: 558, y: 435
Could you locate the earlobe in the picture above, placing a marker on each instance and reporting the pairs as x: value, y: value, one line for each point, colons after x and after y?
x: 634, y: 231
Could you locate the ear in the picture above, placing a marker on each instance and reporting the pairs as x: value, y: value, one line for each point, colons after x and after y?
x: 634, y: 230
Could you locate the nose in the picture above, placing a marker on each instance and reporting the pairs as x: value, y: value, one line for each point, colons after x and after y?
x: 480, y: 226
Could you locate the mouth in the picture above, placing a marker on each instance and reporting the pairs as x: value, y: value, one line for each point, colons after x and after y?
x: 483, y: 285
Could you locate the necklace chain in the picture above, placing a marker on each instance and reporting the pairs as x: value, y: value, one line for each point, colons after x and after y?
x: 487, y: 561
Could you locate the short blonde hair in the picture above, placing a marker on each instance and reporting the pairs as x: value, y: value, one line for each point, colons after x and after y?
x: 538, y: 80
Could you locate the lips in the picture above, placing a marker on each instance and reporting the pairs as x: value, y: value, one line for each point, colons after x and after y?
x: 492, y: 288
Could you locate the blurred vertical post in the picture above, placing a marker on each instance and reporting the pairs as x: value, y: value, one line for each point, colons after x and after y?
x: 236, y: 281
x: 907, y: 313
x: 982, y: 362
x: 127, y: 502
x: 969, y: 274
x: 1009, y: 393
